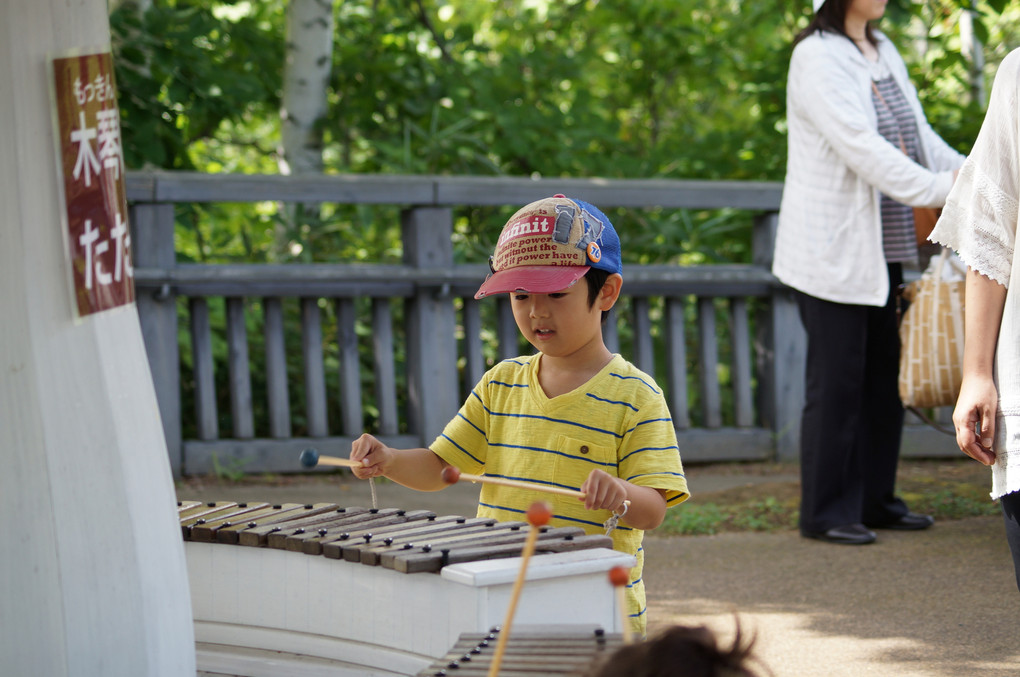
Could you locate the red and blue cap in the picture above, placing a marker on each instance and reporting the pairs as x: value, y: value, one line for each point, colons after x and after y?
x: 549, y: 245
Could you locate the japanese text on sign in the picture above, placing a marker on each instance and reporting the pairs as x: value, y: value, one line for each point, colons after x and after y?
x: 91, y: 161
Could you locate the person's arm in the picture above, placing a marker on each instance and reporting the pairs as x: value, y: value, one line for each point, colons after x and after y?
x: 419, y: 469
x: 825, y: 89
x: 977, y: 403
x: 605, y: 492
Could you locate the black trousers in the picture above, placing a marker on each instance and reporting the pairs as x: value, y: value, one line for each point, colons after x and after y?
x: 853, y: 418
x: 1011, y: 513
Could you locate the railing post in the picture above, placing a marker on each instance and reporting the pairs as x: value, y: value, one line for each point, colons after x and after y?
x: 152, y: 237
x: 781, y: 353
x: 433, y: 398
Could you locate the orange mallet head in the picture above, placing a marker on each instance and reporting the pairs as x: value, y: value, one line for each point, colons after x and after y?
x: 539, y: 514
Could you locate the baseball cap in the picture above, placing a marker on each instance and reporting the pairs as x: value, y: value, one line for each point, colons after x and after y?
x: 549, y: 245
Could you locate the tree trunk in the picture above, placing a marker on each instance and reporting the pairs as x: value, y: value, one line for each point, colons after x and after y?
x: 305, y: 84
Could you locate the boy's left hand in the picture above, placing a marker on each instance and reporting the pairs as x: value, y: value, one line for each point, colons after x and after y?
x: 603, y: 491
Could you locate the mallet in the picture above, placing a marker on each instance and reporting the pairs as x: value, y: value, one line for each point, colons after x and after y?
x: 310, y: 458
x: 619, y: 576
x: 451, y: 474
x: 539, y: 514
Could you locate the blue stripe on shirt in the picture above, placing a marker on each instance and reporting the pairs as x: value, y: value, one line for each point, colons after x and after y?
x: 543, y: 450
x: 556, y: 420
x: 465, y: 451
x: 559, y: 517
x: 637, y: 451
x: 635, y: 378
x: 651, y: 420
x: 602, y: 399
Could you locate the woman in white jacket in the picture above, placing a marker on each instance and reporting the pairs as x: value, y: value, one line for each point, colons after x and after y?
x: 860, y: 155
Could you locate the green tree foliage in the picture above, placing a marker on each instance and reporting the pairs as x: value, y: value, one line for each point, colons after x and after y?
x: 556, y: 88
x: 631, y: 88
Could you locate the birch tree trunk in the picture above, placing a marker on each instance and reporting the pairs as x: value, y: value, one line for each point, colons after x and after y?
x: 305, y: 84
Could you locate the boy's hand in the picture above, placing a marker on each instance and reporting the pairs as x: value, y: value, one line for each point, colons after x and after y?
x: 375, y: 457
x: 603, y: 491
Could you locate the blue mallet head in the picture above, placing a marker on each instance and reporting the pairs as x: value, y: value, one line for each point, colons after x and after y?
x: 309, y: 458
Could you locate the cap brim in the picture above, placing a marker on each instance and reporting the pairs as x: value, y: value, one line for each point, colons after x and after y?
x: 531, y: 280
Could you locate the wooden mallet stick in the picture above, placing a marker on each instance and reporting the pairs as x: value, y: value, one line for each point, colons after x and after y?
x: 451, y: 475
x: 310, y: 458
x: 539, y: 514
x: 619, y: 576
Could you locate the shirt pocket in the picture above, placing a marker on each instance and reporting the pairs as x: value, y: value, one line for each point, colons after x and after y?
x: 577, y: 457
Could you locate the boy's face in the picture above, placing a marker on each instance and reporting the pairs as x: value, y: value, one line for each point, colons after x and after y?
x: 559, y: 324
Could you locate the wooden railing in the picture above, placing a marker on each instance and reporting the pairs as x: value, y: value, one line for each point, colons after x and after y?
x: 723, y: 341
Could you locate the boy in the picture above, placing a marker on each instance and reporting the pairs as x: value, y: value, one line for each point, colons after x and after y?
x: 573, y: 415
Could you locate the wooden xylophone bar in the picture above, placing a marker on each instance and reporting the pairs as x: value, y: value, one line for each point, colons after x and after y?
x: 408, y: 541
x: 529, y: 652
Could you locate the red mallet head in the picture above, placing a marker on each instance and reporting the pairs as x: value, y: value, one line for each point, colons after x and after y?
x: 619, y: 576
x: 539, y: 513
x: 450, y: 474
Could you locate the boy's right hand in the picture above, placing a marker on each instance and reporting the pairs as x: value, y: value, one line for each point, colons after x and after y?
x: 373, y: 454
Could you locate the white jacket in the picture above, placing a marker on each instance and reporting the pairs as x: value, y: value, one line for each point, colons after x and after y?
x: 829, y: 240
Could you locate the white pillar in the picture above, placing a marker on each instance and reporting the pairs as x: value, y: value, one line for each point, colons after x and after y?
x: 94, y: 580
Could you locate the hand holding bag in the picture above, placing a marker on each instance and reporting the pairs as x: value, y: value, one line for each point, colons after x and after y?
x: 931, y: 339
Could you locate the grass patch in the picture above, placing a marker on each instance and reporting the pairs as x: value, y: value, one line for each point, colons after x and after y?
x: 699, y: 519
x: 947, y: 490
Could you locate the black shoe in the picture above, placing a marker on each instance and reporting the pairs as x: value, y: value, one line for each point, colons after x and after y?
x: 848, y: 534
x: 909, y: 522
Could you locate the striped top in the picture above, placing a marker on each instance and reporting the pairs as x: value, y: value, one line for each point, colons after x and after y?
x: 617, y: 422
x: 897, y: 125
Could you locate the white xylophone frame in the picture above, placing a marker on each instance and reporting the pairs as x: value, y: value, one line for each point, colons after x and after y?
x: 262, y: 612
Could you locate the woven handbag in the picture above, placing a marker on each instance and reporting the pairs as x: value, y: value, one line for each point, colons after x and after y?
x: 931, y: 340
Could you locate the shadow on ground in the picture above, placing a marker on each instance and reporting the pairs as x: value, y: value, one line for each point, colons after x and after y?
x: 940, y: 602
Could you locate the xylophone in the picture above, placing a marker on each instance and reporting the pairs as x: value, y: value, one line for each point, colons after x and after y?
x: 351, y: 604
x: 533, y: 651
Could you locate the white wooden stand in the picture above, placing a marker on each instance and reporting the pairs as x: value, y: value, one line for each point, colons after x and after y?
x: 261, y: 612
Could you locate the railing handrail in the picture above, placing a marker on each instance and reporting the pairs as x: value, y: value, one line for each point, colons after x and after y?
x: 445, y: 191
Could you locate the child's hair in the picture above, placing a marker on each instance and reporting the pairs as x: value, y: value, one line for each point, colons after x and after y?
x: 596, y: 280
x: 680, y: 651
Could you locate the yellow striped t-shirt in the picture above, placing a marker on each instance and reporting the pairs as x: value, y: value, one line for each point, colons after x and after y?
x: 617, y: 422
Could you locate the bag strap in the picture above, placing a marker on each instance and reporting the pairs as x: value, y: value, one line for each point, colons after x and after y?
x: 924, y: 417
x: 881, y: 98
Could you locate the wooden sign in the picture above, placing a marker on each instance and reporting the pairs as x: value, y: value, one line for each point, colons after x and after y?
x: 90, y: 159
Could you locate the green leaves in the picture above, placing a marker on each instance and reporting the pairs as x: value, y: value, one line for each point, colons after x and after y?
x: 630, y: 88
